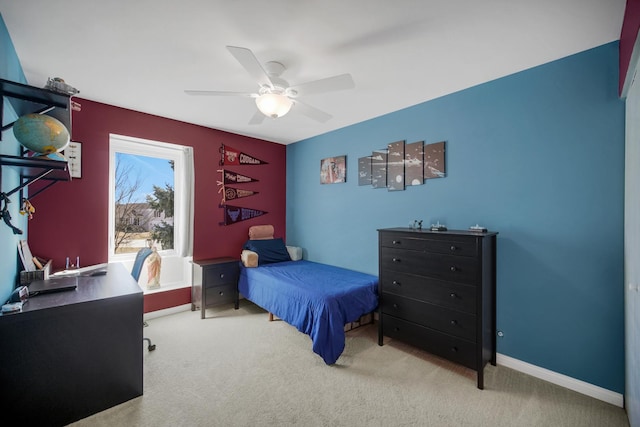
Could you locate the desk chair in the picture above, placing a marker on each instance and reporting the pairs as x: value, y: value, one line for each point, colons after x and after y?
x: 141, y: 256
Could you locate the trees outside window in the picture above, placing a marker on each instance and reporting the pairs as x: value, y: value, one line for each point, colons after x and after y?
x: 147, y: 180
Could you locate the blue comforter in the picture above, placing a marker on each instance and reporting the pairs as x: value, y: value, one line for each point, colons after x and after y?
x: 317, y: 299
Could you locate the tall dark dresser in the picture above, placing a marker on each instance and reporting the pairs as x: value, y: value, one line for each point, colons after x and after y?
x: 437, y: 291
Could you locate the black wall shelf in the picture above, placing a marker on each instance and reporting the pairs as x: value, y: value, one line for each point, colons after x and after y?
x: 27, y: 99
x: 32, y: 169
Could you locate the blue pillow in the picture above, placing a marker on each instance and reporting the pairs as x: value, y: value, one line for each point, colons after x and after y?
x: 269, y: 251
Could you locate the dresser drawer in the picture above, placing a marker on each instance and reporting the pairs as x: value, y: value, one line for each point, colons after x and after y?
x: 446, y: 267
x: 453, y: 245
x: 219, y: 274
x: 440, y: 344
x: 217, y: 295
x: 452, y: 322
x: 447, y: 294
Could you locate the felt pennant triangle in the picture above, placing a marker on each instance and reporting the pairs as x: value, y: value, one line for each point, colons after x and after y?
x: 234, y: 214
x: 231, y: 193
x: 229, y: 177
x: 231, y: 156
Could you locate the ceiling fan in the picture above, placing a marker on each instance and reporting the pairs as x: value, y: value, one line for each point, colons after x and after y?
x: 275, y: 97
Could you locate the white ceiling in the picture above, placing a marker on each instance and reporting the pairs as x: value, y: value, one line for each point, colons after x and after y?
x: 142, y: 54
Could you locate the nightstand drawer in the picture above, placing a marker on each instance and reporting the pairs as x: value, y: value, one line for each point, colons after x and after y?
x: 220, y: 274
x: 446, y: 267
x: 452, y: 322
x: 452, y: 245
x: 447, y: 294
x: 443, y: 345
x: 218, y: 295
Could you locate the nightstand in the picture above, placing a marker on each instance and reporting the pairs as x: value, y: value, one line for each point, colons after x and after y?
x: 215, y: 282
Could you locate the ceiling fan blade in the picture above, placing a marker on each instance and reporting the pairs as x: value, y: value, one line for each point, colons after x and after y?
x: 310, y: 111
x: 330, y: 84
x: 219, y: 93
x: 248, y: 60
x: 257, y: 118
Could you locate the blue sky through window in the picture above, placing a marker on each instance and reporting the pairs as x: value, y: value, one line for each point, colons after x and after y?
x: 149, y: 170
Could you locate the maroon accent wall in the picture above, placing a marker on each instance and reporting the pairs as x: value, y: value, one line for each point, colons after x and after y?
x: 71, y: 218
x: 628, y: 36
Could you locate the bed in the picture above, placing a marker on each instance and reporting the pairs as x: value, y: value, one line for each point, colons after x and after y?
x: 318, y: 299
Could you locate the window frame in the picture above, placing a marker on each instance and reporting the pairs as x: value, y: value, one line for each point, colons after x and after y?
x: 148, y: 148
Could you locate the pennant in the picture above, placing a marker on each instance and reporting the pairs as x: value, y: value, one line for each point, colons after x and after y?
x: 230, y: 156
x: 234, y: 178
x: 234, y: 214
x: 231, y: 193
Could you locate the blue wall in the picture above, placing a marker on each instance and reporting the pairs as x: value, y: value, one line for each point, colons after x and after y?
x: 537, y: 156
x: 10, y: 69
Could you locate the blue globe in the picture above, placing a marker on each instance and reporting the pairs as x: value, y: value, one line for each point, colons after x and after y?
x: 41, y: 133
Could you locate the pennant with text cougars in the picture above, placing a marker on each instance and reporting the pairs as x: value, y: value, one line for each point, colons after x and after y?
x: 229, y: 177
x: 230, y: 193
x: 230, y: 156
x: 237, y: 193
x: 233, y: 214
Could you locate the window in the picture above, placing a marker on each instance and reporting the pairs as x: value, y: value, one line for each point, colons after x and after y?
x: 150, y: 200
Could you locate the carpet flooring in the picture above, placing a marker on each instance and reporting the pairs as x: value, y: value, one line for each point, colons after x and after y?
x: 235, y: 368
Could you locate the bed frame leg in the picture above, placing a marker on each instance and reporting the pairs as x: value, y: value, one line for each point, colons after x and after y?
x: 270, y: 317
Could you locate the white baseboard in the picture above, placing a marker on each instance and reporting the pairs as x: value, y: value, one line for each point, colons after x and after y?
x: 167, y: 311
x: 585, y: 388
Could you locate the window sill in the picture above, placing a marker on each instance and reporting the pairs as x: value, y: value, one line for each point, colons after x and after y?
x: 163, y: 288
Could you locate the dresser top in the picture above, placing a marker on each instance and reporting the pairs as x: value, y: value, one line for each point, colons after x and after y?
x: 427, y: 231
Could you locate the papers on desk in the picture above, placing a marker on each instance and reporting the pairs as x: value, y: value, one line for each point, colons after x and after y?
x: 84, y: 271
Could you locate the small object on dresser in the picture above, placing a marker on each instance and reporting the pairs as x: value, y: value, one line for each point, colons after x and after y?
x: 478, y: 228
x: 438, y: 227
x: 12, y: 307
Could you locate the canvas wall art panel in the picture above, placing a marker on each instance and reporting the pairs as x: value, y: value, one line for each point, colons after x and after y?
x: 434, y: 160
x: 333, y: 170
x: 379, y: 169
x: 395, y: 166
x: 364, y: 170
x: 413, y: 163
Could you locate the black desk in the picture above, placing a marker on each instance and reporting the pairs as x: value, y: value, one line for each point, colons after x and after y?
x: 71, y: 354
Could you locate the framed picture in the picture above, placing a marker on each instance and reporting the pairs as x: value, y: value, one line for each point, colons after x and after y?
x: 333, y: 170
x: 73, y: 153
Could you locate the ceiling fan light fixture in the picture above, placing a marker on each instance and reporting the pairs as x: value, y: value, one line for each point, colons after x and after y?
x: 273, y: 105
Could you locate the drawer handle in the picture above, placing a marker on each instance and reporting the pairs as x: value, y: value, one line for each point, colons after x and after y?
x: 396, y: 259
x: 454, y: 322
x: 453, y: 248
x: 221, y: 293
x: 395, y: 282
x: 396, y: 242
x: 395, y: 305
x: 453, y: 268
x: 222, y: 275
x: 396, y: 329
x: 454, y: 349
x: 453, y: 295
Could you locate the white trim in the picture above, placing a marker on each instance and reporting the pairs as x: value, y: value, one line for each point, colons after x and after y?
x: 565, y: 381
x: 631, y: 71
x: 167, y: 311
